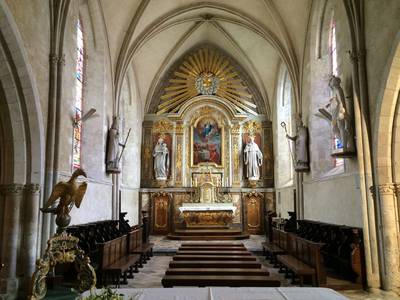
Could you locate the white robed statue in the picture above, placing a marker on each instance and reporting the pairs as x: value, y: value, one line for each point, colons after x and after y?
x: 161, y: 160
x: 253, y: 159
x: 113, y: 153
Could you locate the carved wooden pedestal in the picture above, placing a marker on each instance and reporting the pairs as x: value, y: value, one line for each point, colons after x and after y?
x: 253, y: 213
x: 161, y: 203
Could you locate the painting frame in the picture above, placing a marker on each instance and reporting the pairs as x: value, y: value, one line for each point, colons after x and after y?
x: 221, y: 130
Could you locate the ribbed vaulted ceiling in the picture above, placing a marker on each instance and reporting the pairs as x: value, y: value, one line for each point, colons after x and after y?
x: 150, y: 36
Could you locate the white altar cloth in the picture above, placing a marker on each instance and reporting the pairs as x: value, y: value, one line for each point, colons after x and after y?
x: 208, y: 206
x: 223, y: 293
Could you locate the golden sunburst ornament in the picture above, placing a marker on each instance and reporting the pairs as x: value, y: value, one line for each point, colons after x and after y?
x: 206, y: 72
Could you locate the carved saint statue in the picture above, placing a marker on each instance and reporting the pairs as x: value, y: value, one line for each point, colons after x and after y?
x: 161, y: 160
x: 339, y: 115
x: 301, y: 162
x: 113, y: 154
x: 253, y: 159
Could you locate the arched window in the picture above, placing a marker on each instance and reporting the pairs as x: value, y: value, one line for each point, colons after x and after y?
x: 284, y: 114
x: 79, y: 77
x: 334, y: 71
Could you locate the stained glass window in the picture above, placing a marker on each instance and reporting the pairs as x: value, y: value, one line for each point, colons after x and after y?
x: 334, y: 71
x: 79, y: 76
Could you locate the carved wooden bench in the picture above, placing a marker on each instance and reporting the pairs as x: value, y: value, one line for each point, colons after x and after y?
x: 137, y: 247
x: 116, y: 261
x: 303, y: 258
x: 277, y: 246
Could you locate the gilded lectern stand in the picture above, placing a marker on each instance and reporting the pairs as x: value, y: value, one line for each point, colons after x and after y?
x: 63, y: 247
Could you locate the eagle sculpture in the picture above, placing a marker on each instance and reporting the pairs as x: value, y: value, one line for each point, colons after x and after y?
x: 69, y: 193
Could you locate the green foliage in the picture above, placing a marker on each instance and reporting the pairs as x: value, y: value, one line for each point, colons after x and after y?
x: 105, y: 294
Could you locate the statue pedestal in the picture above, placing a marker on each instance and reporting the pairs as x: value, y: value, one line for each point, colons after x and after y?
x: 342, y: 153
x: 161, y: 183
x: 253, y: 183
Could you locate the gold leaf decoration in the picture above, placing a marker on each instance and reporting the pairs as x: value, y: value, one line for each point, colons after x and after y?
x: 206, y: 72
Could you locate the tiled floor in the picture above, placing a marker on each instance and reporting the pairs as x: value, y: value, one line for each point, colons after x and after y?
x: 153, y: 271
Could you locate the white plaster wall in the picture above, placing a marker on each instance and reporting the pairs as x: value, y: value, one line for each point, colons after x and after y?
x: 284, y: 201
x: 131, y: 111
x: 32, y: 19
x: 96, y: 205
x: 331, y: 194
x: 130, y: 204
x: 335, y: 200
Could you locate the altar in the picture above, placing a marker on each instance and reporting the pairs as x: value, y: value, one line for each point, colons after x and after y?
x: 197, y: 215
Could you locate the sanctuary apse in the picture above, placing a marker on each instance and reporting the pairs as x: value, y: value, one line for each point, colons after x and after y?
x: 206, y: 116
x: 271, y: 124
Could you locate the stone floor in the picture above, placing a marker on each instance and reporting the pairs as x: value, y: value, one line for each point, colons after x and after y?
x: 152, y: 272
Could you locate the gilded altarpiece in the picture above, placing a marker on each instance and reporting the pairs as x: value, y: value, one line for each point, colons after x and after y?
x: 206, y: 108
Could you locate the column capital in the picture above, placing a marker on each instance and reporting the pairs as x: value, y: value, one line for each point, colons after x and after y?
x: 13, y: 188
x: 384, y: 189
x: 33, y: 188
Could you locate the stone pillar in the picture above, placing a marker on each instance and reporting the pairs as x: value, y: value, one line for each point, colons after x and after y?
x: 12, y: 195
x: 31, y: 221
x: 390, y: 270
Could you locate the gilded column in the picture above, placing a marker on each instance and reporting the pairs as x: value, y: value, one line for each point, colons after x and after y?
x: 267, y: 150
x: 147, y: 148
x: 179, y: 128
x: 31, y: 220
x: 390, y: 247
x: 236, y: 147
x: 12, y: 195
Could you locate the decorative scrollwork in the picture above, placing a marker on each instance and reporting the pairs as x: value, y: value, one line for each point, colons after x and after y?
x: 62, y: 248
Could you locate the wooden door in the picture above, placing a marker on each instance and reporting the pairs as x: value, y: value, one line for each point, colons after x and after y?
x: 161, y: 214
x: 253, y: 213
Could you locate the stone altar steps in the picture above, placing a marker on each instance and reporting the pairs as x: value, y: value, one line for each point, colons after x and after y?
x: 216, y: 264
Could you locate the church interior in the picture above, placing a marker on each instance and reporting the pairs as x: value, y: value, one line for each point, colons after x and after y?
x: 165, y: 149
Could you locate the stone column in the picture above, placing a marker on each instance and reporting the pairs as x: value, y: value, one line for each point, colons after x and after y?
x: 12, y: 195
x: 390, y: 271
x: 31, y: 221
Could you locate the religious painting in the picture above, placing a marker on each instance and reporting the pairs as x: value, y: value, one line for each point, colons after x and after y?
x: 207, y: 142
x: 166, y: 142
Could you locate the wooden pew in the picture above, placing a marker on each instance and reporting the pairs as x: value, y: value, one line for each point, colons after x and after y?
x: 136, y: 246
x: 275, y: 247
x: 303, y: 258
x: 216, y: 280
x: 116, y: 260
x: 343, y: 250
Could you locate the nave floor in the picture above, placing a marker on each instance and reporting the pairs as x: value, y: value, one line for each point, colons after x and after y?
x: 151, y: 274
